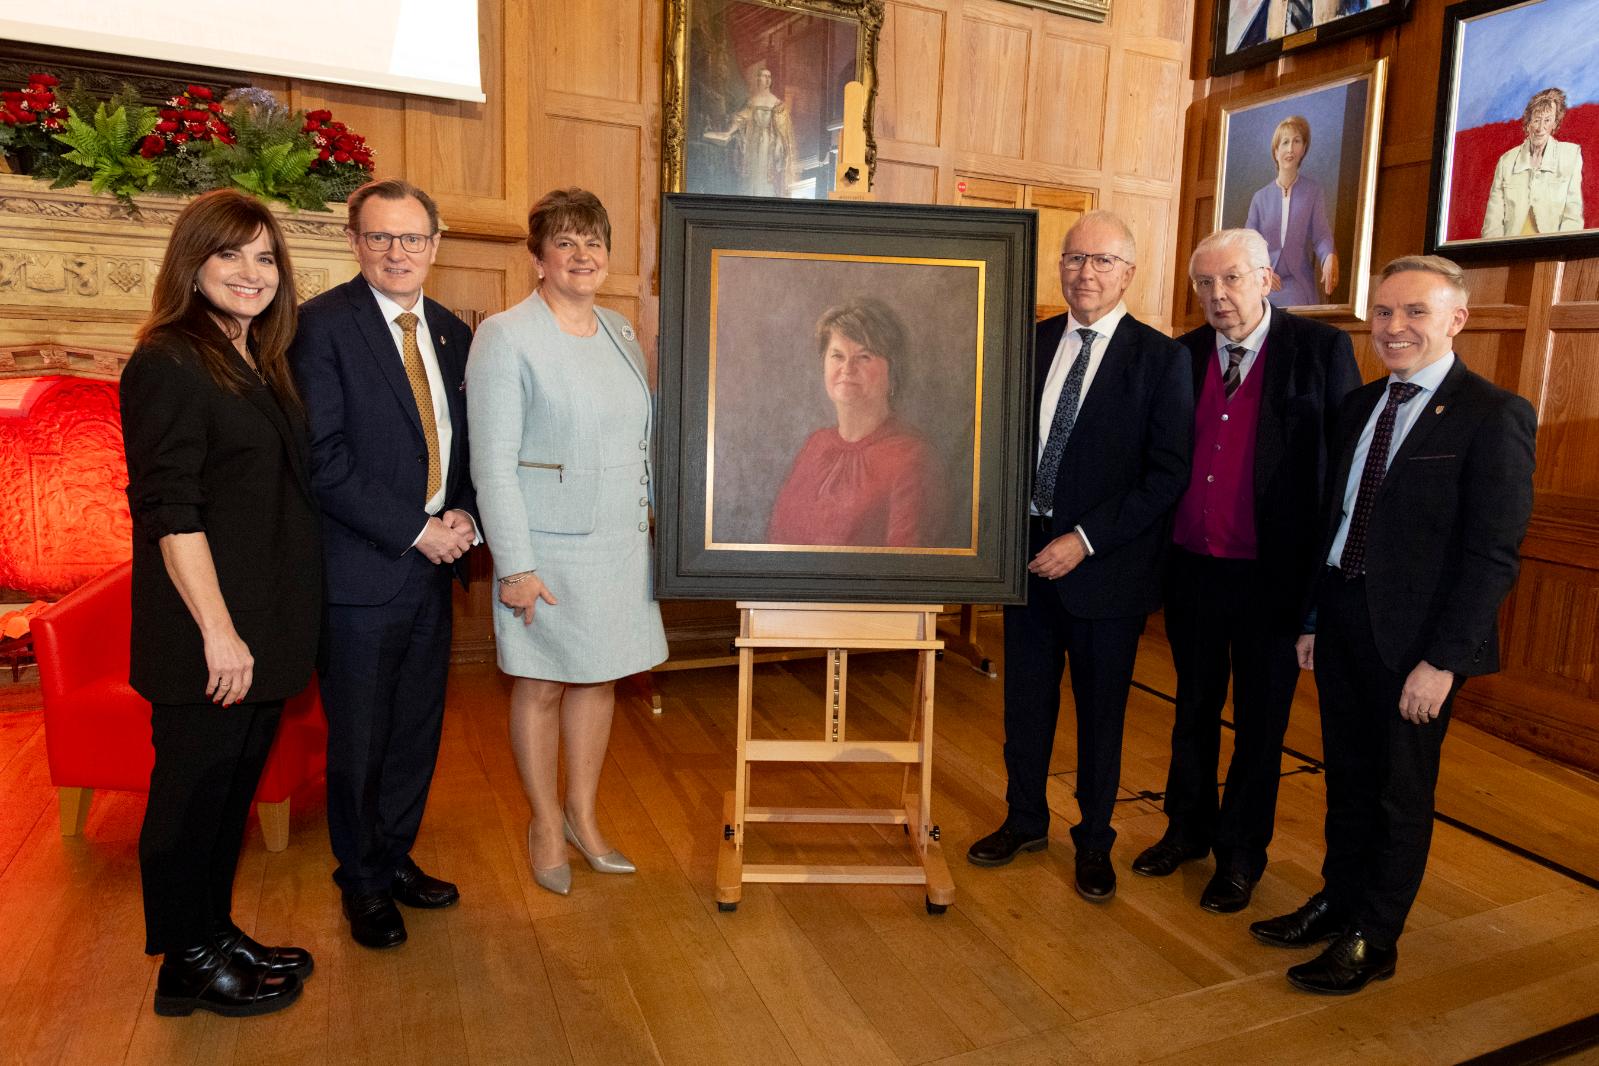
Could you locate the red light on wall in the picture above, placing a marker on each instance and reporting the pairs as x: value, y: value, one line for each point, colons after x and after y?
x: 63, y: 480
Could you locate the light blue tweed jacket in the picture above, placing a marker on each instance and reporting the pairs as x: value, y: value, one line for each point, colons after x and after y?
x: 535, y: 432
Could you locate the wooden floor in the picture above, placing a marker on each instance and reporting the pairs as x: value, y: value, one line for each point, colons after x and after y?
x: 644, y: 969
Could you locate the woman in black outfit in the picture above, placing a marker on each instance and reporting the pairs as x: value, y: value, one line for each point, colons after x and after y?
x: 227, y: 586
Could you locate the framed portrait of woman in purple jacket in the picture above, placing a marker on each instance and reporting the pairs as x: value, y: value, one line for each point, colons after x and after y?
x: 1298, y: 165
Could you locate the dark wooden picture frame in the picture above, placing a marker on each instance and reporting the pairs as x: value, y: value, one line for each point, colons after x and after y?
x: 745, y: 285
x: 1479, y: 132
x: 715, y: 140
x: 1225, y: 58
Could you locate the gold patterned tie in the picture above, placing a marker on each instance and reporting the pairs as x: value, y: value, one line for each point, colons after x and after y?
x: 417, y: 375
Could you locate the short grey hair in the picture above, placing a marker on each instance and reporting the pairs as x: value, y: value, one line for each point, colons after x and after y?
x: 1248, y: 241
x: 1447, y: 269
x: 1106, y: 218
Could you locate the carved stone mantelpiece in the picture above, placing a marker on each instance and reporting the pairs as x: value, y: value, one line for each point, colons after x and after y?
x: 76, y: 268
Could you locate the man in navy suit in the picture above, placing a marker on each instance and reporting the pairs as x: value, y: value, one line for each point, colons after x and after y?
x: 380, y: 368
x: 1114, y: 434
x: 1267, y: 386
x: 1431, y: 495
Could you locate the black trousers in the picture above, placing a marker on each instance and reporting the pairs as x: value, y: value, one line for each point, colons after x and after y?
x: 1219, y: 615
x: 208, y: 761
x: 1040, y: 636
x: 1381, y: 769
x: 383, y: 690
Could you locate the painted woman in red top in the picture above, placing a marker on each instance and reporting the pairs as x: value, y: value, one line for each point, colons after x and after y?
x: 870, y: 480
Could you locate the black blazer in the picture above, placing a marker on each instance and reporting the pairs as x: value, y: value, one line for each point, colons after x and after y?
x: 1309, y: 368
x: 368, y: 456
x: 201, y: 458
x: 1443, y: 546
x: 1124, y: 468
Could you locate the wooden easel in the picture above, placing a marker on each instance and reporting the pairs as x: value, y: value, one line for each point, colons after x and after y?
x: 839, y: 628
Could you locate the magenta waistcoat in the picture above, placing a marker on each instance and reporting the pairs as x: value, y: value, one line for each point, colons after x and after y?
x: 1216, y: 516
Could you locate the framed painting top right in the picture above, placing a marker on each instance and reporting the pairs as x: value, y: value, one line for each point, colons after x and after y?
x: 1518, y: 109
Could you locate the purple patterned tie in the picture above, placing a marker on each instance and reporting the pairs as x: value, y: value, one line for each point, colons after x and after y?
x: 1235, y: 359
x: 1060, y: 427
x: 1353, y: 561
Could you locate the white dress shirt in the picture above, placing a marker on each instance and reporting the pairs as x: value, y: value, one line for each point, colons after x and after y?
x: 1427, y: 379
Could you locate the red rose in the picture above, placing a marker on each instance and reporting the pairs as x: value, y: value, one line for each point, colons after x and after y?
x: 43, y: 79
x: 200, y: 91
x: 152, y: 146
x: 338, y: 127
x: 168, y: 126
x: 50, y: 123
x: 180, y: 138
x: 322, y: 155
x: 319, y: 116
x: 192, y: 115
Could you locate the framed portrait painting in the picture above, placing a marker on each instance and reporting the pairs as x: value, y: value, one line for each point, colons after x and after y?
x: 1299, y: 166
x: 754, y: 93
x: 1518, y: 109
x: 844, y: 409
x: 1248, y: 33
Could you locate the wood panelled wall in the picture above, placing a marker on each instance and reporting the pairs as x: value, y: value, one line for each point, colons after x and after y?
x: 979, y: 89
x: 969, y: 89
x: 1534, y: 328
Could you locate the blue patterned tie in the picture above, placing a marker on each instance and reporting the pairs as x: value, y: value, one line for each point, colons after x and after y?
x: 1060, y: 427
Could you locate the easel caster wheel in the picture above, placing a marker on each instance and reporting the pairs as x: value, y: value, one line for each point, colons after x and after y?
x: 727, y: 907
x: 936, y: 908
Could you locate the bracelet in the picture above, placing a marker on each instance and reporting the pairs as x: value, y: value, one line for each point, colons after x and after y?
x: 517, y: 579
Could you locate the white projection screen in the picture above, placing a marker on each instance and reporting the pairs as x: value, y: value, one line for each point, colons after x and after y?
x: 427, y: 47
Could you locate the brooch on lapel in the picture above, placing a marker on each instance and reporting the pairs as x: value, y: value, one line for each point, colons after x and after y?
x: 627, y: 332
x: 1438, y: 410
x: 443, y: 341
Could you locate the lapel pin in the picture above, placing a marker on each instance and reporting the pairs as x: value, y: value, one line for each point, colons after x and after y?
x: 627, y: 332
x: 442, y: 342
x: 1438, y: 410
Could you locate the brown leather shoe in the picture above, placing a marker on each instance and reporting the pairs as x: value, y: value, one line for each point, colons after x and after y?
x: 1348, y: 965
x: 1316, y: 921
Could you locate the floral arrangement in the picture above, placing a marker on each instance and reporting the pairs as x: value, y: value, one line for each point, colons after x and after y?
x: 246, y: 140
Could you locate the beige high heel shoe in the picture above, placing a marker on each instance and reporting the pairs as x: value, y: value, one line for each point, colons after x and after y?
x: 557, y: 879
x: 612, y: 862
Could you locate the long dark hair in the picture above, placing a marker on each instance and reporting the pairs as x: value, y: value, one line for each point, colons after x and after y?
x: 225, y: 218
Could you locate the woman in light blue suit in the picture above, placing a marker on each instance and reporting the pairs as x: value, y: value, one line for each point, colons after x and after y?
x: 1291, y: 213
x: 560, y: 413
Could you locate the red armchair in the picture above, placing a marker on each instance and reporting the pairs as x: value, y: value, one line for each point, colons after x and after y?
x: 97, y: 729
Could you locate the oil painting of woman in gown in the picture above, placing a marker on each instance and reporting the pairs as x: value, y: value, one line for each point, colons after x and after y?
x: 760, y: 140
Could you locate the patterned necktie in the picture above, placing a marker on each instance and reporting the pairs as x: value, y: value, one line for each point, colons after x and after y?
x: 417, y: 375
x: 1353, y: 561
x: 1060, y: 427
x: 1235, y: 359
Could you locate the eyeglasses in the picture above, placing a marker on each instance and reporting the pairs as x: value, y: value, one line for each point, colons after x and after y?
x: 1103, y: 262
x: 379, y: 241
x: 1230, y: 282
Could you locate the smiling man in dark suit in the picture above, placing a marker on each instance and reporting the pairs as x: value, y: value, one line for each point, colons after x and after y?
x: 1267, y: 387
x: 380, y: 368
x: 1114, y: 434
x: 1431, y: 494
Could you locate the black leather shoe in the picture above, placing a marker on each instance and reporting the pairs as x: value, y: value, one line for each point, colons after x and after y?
x: 1162, y: 858
x: 1096, y: 878
x: 236, y: 944
x: 1348, y: 965
x: 1316, y: 921
x: 1228, y: 892
x: 1001, y: 846
x: 414, y: 888
x: 203, y: 978
x: 375, y: 921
